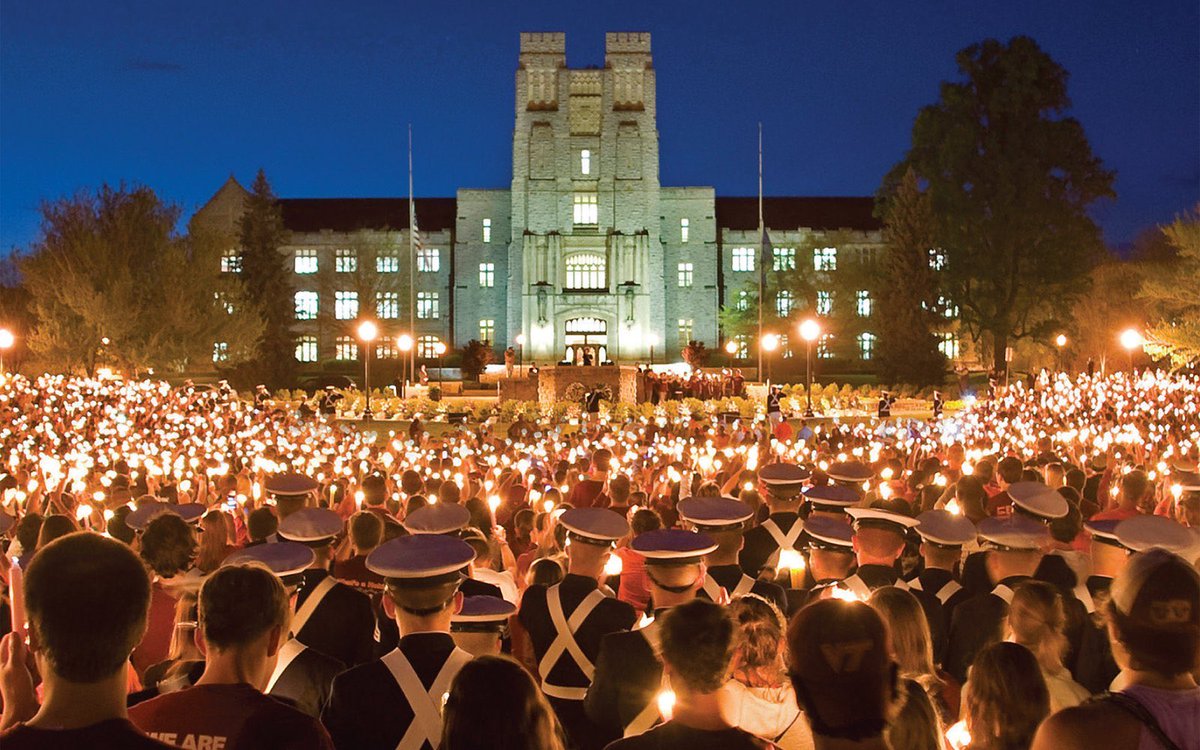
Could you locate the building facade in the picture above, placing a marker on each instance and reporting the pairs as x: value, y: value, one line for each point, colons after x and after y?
x: 585, y: 252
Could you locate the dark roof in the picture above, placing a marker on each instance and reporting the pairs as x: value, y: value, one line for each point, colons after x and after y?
x: 825, y: 213
x: 351, y: 214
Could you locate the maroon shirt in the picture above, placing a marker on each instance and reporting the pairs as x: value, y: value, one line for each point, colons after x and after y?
x: 112, y: 734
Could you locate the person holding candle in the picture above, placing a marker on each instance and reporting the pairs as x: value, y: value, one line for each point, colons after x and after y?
x: 724, y: 520
x: 783, y: 483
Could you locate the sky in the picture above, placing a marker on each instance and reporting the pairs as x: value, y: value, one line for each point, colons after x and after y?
x: 178, y: 96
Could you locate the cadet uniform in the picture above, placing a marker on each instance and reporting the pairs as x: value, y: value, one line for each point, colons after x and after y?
x: 1095, y: 668
x: 567, y: 621
x: 331, y: 617
x: 948, y: 531
x: 717, y: 517
x: 288, y: 489
x: 978, y: 621
x: 782, y: 529
x: 480, y: 627
x: 302, y: 676
x: 395, y: 703
x: 821, y: 533
x: 622, y: 700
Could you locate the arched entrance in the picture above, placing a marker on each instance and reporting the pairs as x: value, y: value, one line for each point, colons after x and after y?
x: 586, y: 341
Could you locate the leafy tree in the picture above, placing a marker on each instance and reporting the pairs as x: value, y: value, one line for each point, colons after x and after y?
x: 110, y: 266
x: 695, y: 353
x: 1170, y: 291
x: 476, y: 356
x: 264, y: 273
x: 1010, y: 179
x: 907, y: 290
x: 1098, y: 317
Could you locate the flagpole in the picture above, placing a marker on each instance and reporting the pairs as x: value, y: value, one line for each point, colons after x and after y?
x: 412, y: 265
x: 762, y: 271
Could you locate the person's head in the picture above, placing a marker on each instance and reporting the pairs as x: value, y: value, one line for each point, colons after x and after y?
x: 1036, y: 619
x: 644, y: 520
x: 1065, y: 528
x: 214, y: 537
x: 374, y: 489
x: 366, y: 531
x: 244, y: 611
x: 53, y: 527
x: 877, y: 546
x: 168, y: 545
x: 618, y: 490
x: 422, y: 605
x: 916, y: 725
x: 494, y: 703
x: 1135, y: 489
x: 912, y: 644
x: 183, y: 637
x: 117, y: 528
x: 261, y: 523
x: 840, y: 665
x: 546, y: 571
x: 1009, y: 471
x: 1005, y: 699
x: 971, y: 496
x: 1055, y: 474
x: 87, y: 598
x: 410, y: 482
x: 1075, y: 478
x: 449, y: 494
x: 28, y: 529
x: 1154, y: 614
x: 698, y: 642
x: 761, y: 638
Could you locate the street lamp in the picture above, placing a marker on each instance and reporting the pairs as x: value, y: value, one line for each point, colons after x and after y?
x: 6, y: 341
x: 1060, y: 341
x: 405, y: 342
x: 367, y: 332
x: 1131, y: 339
x: 810, y: 330
x: 520, y: 352
x: 440, y: 350
x: 769, y: 343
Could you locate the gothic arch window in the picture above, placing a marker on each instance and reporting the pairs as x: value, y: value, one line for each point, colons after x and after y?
x: 586, y: 325
x: 586, y: 271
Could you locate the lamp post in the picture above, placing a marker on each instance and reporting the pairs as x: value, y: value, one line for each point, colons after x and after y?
x: 1060, y: 341
x: 769, y: 343
x: 440, y: 350
x: 6, y: 341
x: 405, y: 343
x: 367, y: 332
x: 1131, y: 339
x: 810, y: 330
x: 520, y: 353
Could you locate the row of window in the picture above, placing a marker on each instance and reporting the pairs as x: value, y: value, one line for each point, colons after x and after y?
x: 346, y: 307
x: 783, y: 259
x: 785, y: 301
x: 948, y: 344
x: 345, y: 348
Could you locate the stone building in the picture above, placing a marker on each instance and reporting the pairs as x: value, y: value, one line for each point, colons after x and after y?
x: 584, y: 252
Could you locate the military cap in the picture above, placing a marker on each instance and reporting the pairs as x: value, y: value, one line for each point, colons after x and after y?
x: 289, y: 485
x: 854, y: 472
x: 673, y: 546
x: 783, y: 476
x: 285, y: 559
x: 828, y: 534
x: 831, y: 497
x: 1141, y: 533
x: 714, y: 513
x: 421, y: 560
x: 945, y: 529
x: 315, y: 527
x: 141, y: 518
x: 877, y: 518
x: 594, y: 525
x: 1103, y: 531
x: 1038, y: 500
x: 1015, y: 533
x: 482, y: 614
x: 439, y: 518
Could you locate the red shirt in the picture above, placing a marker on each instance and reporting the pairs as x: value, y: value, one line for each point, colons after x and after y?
x: 635, y: 585
x: 353, y: 572
x: 1116, y: 514
x: 587, y: 494
x: 112, y: 734
x: 228, y: 717
x: 156, y: 643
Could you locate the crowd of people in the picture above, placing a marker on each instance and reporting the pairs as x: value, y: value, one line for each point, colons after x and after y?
x: 673, y: 386
x: 189, y: 569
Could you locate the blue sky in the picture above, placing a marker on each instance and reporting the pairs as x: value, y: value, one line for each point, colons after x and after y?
x: 179, y: 95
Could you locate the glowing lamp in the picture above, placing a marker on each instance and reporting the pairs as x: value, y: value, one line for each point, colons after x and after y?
x: 405, y: 342
x: 368, y: 331
x: 731, y: 347
x: 1131, y: 339
x: 810, y: 330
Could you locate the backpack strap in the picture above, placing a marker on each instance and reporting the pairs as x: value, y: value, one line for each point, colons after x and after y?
x: 1134, y: 708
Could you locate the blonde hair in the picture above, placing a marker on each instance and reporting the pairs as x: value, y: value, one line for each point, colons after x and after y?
x: 1036, y: 619
x: 1006, y: 698
x: 912, y: 644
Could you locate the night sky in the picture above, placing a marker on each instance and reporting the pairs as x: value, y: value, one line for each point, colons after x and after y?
x: 178, y: 95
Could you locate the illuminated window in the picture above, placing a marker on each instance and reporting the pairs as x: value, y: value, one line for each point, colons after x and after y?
x: 948, y: 308
x: 866, y: 345
x: 586, y: 272
x: 487, y: 275
x: 427, y: 305
x: 937, y: 260
x: 784, y: 259
x: 385, y: 348
x: 743, y: 259
x: 306, y: 260
x: 487, y: 330
x: 487, y: 230
x: 825, y: 346
x: 306, y: 305
x: 685, y: 275
x: 426, y: 347
x: 824, y: 303
x: 585, y: 162
x: 686, y: 326
x: 429, y: 259
x: 743, y: 301
x: 231, y: 262
x: 220, y: 351
x: 948, y: 344
x: 345, y: 305
x: 387, y: 305
x: 783, y: 345
x: 683, y: 231
x: 825, y: 259
x: 306, y: 349
x: 345, y: 349
x: 783, y: 303
x: 743, y: 346
x: 345, y: 260
x: 387, y: 263
x: 862, y: 299
x: 587, y: 211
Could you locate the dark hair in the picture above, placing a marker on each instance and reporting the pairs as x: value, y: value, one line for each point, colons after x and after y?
x: 261, y: 523
x: 698, y: 642
x: 1135, y: 485
x: 494, y: 704
x: 1075, y: 479
x: 544, y: 570
x: 55, y: 526
x: 87, y: 599
x: 168, y: 544
x: 117, y: 528
x: 374, y: 488
x: 645, y: 520
x: 28, y: 529
x: 1066, y: 528
x: 238, y: 603
x: 366, y: 529
x: 1010, y: 469
x: 971, y: 495
x: 1006, y: 698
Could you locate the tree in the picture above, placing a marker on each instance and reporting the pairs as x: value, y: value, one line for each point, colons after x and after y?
x: 907, y: 290
x: 109, y: 266
x: 1098, y: 317
x: 476, y: 356
x: 264, y: 273
x: 1170, y: 291
x: 695, y: 353
x: 1010, y: 179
